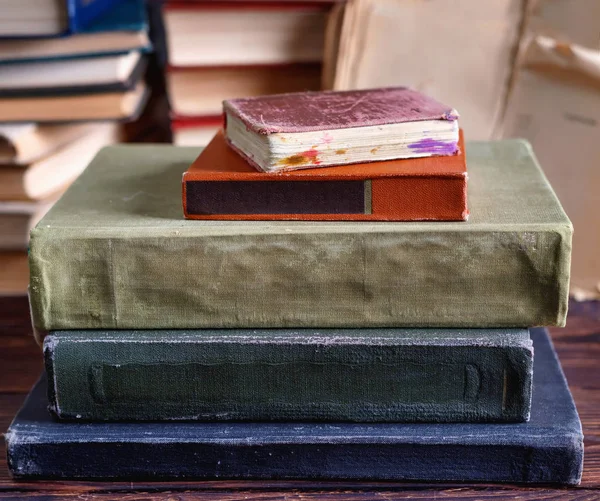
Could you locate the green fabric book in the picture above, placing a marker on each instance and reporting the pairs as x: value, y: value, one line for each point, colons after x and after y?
x: 116, y: 253
x: 363, y: 375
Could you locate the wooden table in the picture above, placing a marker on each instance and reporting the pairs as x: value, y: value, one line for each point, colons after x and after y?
x: 578, y: 346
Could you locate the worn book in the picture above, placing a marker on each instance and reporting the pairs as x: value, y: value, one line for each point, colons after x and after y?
x: 112, y: 73
x: 25, y: 143
x: 110, y: 105
x: 221, y: 185
x: 547, y: 449
x: 316, y: 129
x: 54, y: 172
x: 129, y: 260
x: 364, y: 375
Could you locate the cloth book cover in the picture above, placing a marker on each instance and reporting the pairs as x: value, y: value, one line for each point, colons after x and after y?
x: 547, y: 449
x: 363, y: 375
x: 221, y: 185
x: 129, y: 260
x: 315, y: 129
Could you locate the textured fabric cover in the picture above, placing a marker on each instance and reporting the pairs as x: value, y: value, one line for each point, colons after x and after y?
x: 116, y: 253
x: 305, y: 374
x: 310, y: 111
x: 547, y: 449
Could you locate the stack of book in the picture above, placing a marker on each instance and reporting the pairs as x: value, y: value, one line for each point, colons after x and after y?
x: 69, y: 71
x: 228, y: 49
x: 262, y: 346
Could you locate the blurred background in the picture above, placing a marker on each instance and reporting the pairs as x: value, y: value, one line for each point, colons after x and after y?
x: 76, y: 76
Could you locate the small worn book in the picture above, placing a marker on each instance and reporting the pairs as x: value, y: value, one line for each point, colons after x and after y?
x: 364, y: 375
x: 316, y: 129
x: 547, y: 449
x: 222, y: 185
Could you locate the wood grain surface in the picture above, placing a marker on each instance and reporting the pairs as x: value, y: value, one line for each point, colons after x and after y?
x: 578, y: 346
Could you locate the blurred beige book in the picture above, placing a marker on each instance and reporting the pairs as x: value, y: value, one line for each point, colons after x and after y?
x: 460, y: 52
x: 572, y: 21
x: 201, y: 34
x: 96, y: 106
x: 54, y: 172
x: 25, y: 143
x: 201, y: 91
x: 555, y: 104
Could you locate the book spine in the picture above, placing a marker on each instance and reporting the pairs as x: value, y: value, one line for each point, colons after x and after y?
x: 385, y: 199
x: 84, y: 279
x: 222, y: 379
x: 555, y: 463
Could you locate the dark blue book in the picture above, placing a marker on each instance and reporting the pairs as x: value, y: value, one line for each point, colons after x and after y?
x: 83, y: 12
x: 548, y: 449
x: 114, y: 15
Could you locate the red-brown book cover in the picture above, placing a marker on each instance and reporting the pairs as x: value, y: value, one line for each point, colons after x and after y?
x: 220, y: 184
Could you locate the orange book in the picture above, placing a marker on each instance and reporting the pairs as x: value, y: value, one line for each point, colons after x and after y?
x: 220, y: 184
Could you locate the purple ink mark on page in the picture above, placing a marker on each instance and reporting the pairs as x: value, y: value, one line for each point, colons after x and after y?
x: 434, y: 146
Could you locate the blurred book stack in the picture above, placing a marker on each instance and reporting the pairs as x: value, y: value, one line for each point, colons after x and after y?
x: 228, y: 49
x: 70, y: 73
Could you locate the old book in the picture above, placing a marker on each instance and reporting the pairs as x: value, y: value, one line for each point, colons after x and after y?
x: 565, y: 137
x: 116, y: 253
x: 309, y: 129
x: 364, y: 375
x: 49, y: 175
x: 25, y: 143
x: 547, y: 449
x: 210, y: 33
x: 72, y: 76
x: 200, y: 91
x: 375, y: 52
x: 221, y: 185
x: 93, y: 106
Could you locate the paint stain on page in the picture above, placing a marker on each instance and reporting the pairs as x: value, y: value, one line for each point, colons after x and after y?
x: 340, y: 152
x: 304, y: 158
x: 434, y: 147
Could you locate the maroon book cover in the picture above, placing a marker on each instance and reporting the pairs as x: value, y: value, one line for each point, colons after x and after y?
x: 314, y: 111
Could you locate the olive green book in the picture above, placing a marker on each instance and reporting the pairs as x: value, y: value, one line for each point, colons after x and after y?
x: 116, y: 253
